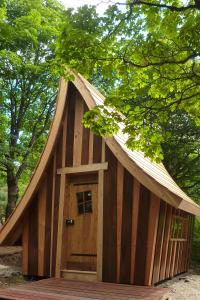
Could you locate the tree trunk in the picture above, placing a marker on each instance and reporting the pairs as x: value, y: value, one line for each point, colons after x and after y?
x: 12, y: 184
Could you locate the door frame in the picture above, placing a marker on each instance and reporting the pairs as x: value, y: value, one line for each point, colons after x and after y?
x: 64, y: 181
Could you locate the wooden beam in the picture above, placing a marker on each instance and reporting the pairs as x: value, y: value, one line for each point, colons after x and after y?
x: 91, y: 140
x: 83, y: 168
x: 25, y: 241
x: 120, y: 182
x: 166, y: 241
x: 100, y: 216
x: 78, y: 130
x: 135, y: 211
x: 42, y: 198
x: 61, y: 201
x: 152, y: 234
x: 52, y: 211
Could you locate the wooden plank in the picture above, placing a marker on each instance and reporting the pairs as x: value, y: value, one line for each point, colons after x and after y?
x: 83, y: 168
x: 177, y: 240
x: 56, y: 202
x: 48, y: 223
x: 166, y: 243
x: 135, y: 212
x: 91, y: 141
x: 70, y: 125
x: 187, y: 244
x: 100, y: 225
x: 25, y: 241
x: 192, y: 220
x: 42, y: 198
x: 173, y: 259
x: 159, y: 242
x: 141, y: 245
x: 44, y: 159
x: 60, y: 227
x: 170, y: 247
x: 63, y: 289
x: 173, y: 243
x: 52, y: 211
x: 110, y: 219
x: 180, y: 258
x: 178, y: 251
x: 120, y: 181
x: 125, y: 266
x: 33, y: 238
x: 62, y: 197
x: 97, y: 147
x: 78, y: 131
x: 100, y: 218
x: 85, y: 142
x: 76, y: 275
x: 152, y: 234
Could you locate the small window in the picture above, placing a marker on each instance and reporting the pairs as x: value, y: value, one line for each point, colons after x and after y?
x: 179, y: 228
x: 84, y: 202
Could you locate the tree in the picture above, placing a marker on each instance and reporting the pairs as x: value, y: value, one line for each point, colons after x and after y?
x: 182, y: 152
x: 149, y: 51
x: 28, y: 84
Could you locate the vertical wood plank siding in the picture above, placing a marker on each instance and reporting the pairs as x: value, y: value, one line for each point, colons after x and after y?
x: 47, y: 247
x: 120, y: 182
x: 125, y: 267
x: 137, y: 225
x: 110, y: 219
x: 33, y: 238
x: 56, y: 203
x: 70, y: 125
x: 142, y: 236
x: 85, y: 142
x: 97, y: 142
x: 159, y: 242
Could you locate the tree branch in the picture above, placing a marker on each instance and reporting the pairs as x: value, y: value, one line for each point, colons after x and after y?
x: 161, y: 63
x: 170, y: 7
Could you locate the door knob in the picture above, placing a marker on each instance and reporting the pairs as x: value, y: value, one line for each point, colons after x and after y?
x: 69, y: 222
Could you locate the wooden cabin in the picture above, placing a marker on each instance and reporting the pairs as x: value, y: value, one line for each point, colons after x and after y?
x: 95, y: 210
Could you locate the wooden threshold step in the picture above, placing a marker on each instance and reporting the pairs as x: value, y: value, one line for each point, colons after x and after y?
x: 79, y: 275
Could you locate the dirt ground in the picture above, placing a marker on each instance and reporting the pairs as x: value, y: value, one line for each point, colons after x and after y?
x: 10, y: 266
x: 185, y: 286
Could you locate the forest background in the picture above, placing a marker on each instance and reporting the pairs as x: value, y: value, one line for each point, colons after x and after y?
x: 142, y: 55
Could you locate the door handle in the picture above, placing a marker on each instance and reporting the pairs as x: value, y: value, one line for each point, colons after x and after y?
x: 69, y: 222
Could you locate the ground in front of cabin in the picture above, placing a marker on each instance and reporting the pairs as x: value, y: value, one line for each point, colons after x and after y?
x: 183, y: 287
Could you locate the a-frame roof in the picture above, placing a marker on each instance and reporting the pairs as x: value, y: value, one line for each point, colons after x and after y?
x: 152, y: 175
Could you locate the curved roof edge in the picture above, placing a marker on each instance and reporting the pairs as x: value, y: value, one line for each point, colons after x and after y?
x: 42, y: 163
x: 172, y: 194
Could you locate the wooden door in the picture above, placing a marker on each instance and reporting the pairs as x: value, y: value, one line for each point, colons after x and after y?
x: 81, y: 226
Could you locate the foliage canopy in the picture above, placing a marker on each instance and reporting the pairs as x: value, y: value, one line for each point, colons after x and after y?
x: 28, y: 84
x: 149, y: 52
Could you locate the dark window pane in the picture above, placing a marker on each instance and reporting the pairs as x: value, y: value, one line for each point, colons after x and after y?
x: 81, y: 208
x: 88, y: 207
x: 79, y: 197
x: 84, y: 202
